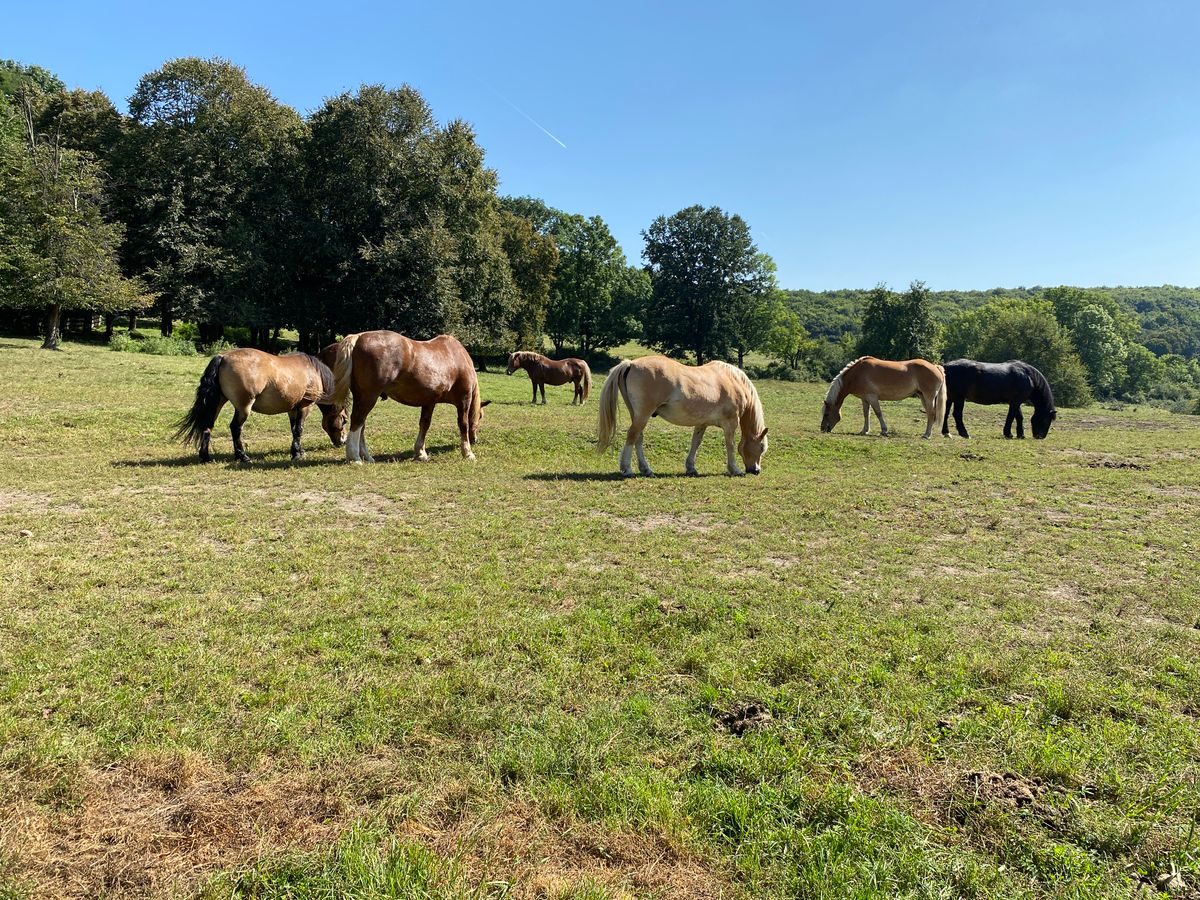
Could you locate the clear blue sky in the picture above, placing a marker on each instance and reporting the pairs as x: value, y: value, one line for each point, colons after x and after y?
x: 971, y: 144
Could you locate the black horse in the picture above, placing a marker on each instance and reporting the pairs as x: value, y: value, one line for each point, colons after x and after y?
x: 1013, y: 382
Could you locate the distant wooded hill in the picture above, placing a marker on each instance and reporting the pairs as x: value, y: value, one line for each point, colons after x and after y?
x: 1169, y: 316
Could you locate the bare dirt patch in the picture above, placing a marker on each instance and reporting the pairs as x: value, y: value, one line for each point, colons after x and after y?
x: 926, y: 789
x: 544, y: 858
x: 665, y: 521
x: 156, y: 824
x: 371, y: 506
x: 1004, y: 788
x: 26, y: 503
x: 743, y: 717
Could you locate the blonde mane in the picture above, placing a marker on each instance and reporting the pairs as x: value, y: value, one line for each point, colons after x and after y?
x: 755, y: 409
x: 835, y: 386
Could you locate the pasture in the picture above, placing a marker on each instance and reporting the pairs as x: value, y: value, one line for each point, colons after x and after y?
x: 883, y: 668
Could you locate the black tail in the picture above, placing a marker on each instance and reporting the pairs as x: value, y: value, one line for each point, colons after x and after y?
x: 203, y: 414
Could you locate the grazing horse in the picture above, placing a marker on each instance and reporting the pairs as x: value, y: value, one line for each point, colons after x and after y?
x: 1013, y: 382
x: 713, y: 394
x: 543, y: 371
x: 253, y: 380
x: 375, y: 365
x: 872, y: 380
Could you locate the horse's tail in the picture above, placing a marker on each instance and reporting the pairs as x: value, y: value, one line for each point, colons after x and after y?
x: 587, y: 380
x: 939, y: 397
x: 476, y: 409
x: 607, y: 421
x: 209, y: 399
x: 343, y: 368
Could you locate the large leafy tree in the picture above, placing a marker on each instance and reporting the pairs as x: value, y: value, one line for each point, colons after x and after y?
x: 1022, y: 329
x: 532, y: 260
x: 595, y: 301
x: 1101, y: 332
x: 202, y: 150
x: 704, y: 271
x: 57, y: 251
x: 404, y: 229
x: 900, y: 326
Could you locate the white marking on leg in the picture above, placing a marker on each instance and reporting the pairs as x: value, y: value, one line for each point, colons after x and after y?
x: 362, y: 444
x: 352, y: 452
x: 626, y: 458
x: 643, y: 465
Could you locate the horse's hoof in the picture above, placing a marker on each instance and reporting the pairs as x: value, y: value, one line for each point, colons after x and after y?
x: 355, y: 462
x: 691, y: 473
x: 737, y: 473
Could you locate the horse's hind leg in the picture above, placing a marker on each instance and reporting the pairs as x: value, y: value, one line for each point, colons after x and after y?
x: 689, y: 467
x: 930, y: 416
x: 633, y: 439
x: 543, y: 388
x: 958, y: 419
x: 240, y: 414
x: 464, y: 429
x: 206, y: 435
x: 419, y: 453
x: 1013, y: 412
x: 1020, y: 419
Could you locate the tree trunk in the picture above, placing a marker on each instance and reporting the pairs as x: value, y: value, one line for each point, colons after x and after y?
x: 109, y: 324
x: 741, y: 356
x: 166, y: 323
x: 53, y: 333
x: 133, y: 321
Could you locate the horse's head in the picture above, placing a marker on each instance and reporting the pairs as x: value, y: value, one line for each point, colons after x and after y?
x: 830, y: 416
x: 514, y: 362
x: 1040, y: 422
x: 752, y: 448
x: 335, y: 421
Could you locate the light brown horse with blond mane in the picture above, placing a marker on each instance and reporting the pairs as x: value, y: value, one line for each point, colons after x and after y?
x: 546, y: 371
x: 253, y: 380
x: 872, y: 380
x: 375, y: 365
x: 715, y: 394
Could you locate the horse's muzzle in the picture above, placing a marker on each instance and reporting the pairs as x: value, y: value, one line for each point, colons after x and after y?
x: 755, y: 470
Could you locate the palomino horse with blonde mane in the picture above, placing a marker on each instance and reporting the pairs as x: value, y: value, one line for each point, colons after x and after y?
x: 253, y: 380
x: 545, y: 371
x: 715, y: 394
x: 376, y: 365
x: 872, y: 380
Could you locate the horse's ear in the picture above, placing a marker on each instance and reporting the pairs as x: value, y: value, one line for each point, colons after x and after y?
x: 484, y: 403
x: 762, y: 434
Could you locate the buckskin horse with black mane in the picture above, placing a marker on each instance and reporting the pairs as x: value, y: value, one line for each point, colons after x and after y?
x: 253, y: 380
x: 375, y: 365
x: 1013, y: 382
x: 543, y: 371
x: 872, y: 380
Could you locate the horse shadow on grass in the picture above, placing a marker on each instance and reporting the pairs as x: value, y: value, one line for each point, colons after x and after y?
x: 269, y: 460
x: 608, y: 476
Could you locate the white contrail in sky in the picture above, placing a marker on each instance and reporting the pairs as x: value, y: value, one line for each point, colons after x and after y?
x: 530, y: 118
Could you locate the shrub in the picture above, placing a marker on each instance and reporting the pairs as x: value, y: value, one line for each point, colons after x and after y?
x: 220, y: 345
x: 123, y: 343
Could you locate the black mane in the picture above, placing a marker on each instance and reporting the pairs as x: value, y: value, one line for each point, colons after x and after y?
x: 322, y: 370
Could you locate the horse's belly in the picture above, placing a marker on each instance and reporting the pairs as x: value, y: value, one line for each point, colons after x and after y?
x: 271, y: 402
x: 690, y: 414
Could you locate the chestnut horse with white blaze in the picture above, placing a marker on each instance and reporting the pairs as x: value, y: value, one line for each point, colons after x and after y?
x: 872, y: 380
x: 546, y: 371
x: 253, y: 380
x: 716, y: 394
x: 375, y: 365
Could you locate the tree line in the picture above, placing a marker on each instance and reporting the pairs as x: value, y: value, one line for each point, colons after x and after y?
x: 212, y: 205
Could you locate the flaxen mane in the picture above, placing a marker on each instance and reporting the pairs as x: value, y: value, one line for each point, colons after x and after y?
x: 836, y: 384
x: 759, y: 422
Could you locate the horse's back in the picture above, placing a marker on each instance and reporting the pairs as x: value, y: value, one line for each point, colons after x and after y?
x: 686, y: 395
x: 416, y: 373
x: 274, y: 384
x: 893, y: 379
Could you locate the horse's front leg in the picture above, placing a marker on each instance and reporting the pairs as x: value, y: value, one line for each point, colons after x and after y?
x: 356, y: 446
x: 883, y: 429
x: 866, y: 429
x: 297, y: 416
x: 731, y: 466
x: 240, y: 414
x: 419, y: 453
x: 464, y: 429
x: 689, y: 468
x: 543, y: 388
x: 534, y: 383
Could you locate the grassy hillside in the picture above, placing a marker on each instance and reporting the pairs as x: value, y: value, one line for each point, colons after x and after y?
x: 883, y: 668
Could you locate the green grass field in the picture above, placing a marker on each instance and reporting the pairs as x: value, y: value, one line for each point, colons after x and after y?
x: 884, y: 668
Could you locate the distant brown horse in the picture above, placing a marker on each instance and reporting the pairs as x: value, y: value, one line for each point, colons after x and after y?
x: 715, y: 393
x: 872, y: 380
x: 375, y: 365
x: 253, y: 380
x: 545, y: 371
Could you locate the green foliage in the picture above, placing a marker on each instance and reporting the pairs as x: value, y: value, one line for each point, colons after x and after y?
x: 900, y: 326
x: 787, y: 339
x: 155, y: 345
x: 14, y: 77
x: 708, y: 281
x: 532, y: 260
x: 56, y: 250
x: 1022, y: 329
